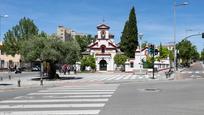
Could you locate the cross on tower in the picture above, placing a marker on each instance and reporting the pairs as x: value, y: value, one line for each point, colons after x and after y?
x: 103, y: 20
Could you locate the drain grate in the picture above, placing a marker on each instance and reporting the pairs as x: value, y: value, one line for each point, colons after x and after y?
x: 150, y: 90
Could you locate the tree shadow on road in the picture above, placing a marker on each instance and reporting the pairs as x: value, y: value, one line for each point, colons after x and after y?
x: 60, y: 78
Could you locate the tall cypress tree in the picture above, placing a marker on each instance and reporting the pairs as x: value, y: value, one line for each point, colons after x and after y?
x: 124, y: 38
x: 129, y: 39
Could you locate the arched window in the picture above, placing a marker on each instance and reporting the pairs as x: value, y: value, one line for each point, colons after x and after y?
x: 103, y: 33
x: 132, y: 64
x: 103, y: 48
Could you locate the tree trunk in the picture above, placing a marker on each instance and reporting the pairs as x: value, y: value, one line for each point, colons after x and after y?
x: 52, y: 71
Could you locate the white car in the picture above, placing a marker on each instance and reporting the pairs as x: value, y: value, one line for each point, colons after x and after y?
x: 36, y: 68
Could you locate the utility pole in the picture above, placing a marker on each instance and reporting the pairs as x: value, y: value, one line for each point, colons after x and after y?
x: 153, y: 62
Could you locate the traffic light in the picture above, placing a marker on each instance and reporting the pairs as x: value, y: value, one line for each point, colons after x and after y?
x: 202, y: 35
x: 156, y: 51
x: 151, y: 49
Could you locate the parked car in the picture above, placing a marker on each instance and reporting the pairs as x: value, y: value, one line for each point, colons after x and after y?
x: 18, y: 70
x: 36, y: 68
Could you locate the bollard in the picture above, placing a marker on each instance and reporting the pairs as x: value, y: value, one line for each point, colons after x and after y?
x: 10, y: 77
x: 19, y: 83
x: 41, y: 82
x: 1, y: 78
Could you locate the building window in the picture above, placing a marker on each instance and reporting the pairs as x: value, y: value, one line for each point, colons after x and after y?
x: 131, y: 64
x: 2, y: 63
x: 2, y: 52
x: 103, y: 33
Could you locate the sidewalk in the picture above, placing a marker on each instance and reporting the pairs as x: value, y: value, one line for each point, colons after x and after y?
x: 27, y: 82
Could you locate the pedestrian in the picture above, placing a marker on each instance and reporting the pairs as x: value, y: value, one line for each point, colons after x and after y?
x: 74, y: 67
x: 68, y: 69
x: 65, y: 69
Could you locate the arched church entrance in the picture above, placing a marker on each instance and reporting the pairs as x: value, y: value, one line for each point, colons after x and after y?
x: 103, y: 65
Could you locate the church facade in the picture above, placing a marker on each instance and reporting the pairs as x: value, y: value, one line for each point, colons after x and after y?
x: 104, y: 49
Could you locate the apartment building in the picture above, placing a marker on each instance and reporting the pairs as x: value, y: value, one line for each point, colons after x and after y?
x: 65, y: 34
x: 7, y: 61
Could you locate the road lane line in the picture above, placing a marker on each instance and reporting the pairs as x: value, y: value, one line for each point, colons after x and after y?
x: 127, y: 77
x: 78, y: 96
x: 57, y: 112
x: 133, y: 77
x: 190, y: 72
x: 119, y: 78
x: 55, y: 100
x: 51, y: 106
x: 64, y: 90
x: 71, y: 93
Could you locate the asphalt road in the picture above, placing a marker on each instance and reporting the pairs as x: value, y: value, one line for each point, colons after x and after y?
x: 195, y: 71
x: 157, y: 98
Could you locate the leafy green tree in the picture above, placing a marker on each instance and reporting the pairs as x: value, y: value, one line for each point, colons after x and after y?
x: 88, y: 61
x: 84, y: 41
x: 129, y: 39
x: 51, y: 50
x: 202, y: 55
x: 24, y: 30
x: 194, y: 53
x: 163, y: 52
x: 120, y: 59
x: 148, y: 63
x: 171, y: 57
x: 187, y: 51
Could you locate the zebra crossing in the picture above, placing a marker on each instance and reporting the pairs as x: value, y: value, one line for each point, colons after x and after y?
x: 65, y: 100
x: 115, y: 77
x: 192, y: 72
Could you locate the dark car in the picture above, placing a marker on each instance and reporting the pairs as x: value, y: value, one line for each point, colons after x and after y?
x: 18, y: 70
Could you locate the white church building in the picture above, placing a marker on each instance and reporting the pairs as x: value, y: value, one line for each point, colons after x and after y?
x: 104, y: 49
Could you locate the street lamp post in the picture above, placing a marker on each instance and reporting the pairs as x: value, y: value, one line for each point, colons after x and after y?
x: 140, y: 35
x: 174, y: 8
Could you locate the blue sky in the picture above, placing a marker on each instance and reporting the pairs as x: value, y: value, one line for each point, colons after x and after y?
x: 154, y: 17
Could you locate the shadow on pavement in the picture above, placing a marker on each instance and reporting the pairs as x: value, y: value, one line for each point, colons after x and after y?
x: 61, y: 78
x: 5, y: 84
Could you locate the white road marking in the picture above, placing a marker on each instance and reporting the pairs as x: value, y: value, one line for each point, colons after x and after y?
x: 119, y: 78
x: 107, y: 78
x: 64, y: 90
x: 51, y: 106
x: 112, y: 78
x: 192, y: 76
x: 74, y: 93
x: 84, y: 88
x: 190, y: 72
x: 127, y: 77
x: 55, y: 100
x: 57, y: 112
x: 197, y: 72
x: 78, y: 96
x: 133, y: 77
